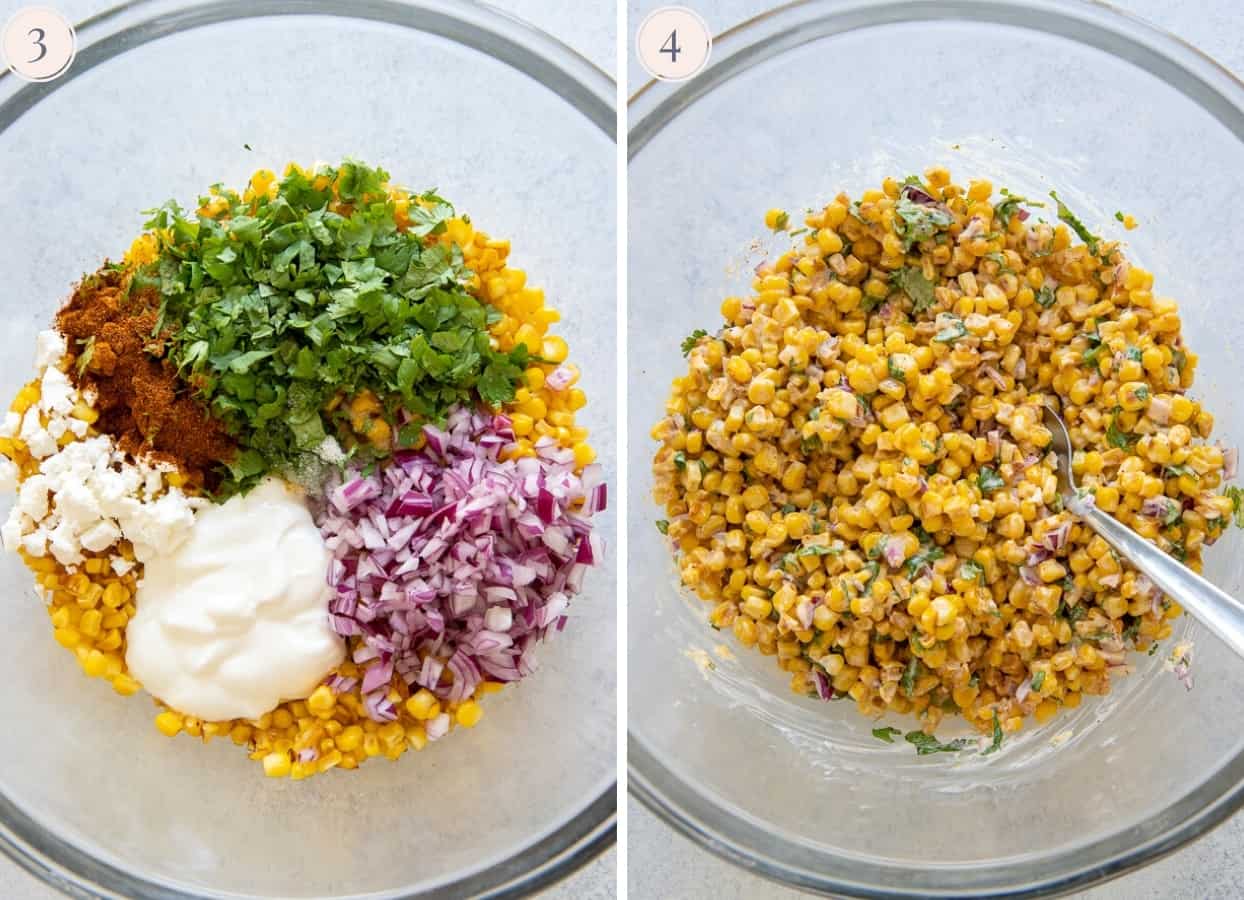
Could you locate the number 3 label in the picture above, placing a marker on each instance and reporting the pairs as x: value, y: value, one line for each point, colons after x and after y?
x: 38, y: 44
x: 673, y: 43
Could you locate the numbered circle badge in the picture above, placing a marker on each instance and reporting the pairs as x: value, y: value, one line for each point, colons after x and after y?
x: 38, y: 44
x: 673, y: 43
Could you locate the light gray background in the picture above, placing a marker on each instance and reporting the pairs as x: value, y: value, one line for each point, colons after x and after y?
x: 663, y: 864
x: 587, y: 26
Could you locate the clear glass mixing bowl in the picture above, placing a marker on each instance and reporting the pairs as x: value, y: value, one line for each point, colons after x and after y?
x: 822, y: 96
x: 519, y: 132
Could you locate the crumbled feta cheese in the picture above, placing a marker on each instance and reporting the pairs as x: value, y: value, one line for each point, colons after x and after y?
x: 32, y: 499
x: 36, y: 543
x: 56, y: 394
x: 11, y: 532
x: 50, y: 348
x: 89, y: 495
x: 8, y: 474
x: 100, y: 536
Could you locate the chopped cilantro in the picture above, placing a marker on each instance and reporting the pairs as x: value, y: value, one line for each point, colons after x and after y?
x: 971, y: 571
x: 87, y: 354
x: 1118, y: 214
x: 1038, y: 680
x: 689, y: 342
x: 817, y: 550
x: 1179, y: 471
x: 1090, y: 240
x: 1004, y: 210
x: 952, y: 332
x: 1133, y: 353
x: 1045, y: 296
x: 285, y: 303
x: 928, y: 554
x: 1142, y: 392
x: 873, y: 569
x: 895, y: 372
x: 1179, y: 551
x: 915, y: 222
x: 997, y: 736
x: 886, y: 734
x: 989, y: 481
x: 926, y: 743
x: 680, y: 460
x: 912, y: 282
x: 909, y: 676
x: 780, y: 223
x: 1237, y: 504
x: 1115, y: 437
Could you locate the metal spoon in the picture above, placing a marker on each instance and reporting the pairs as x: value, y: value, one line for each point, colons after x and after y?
x: 1218, y: 611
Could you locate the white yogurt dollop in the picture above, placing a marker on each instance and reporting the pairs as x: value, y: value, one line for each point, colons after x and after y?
x: 235, y: 620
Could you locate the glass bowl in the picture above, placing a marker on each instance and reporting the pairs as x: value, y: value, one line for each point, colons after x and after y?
x: 162, y: 101
x: 818, y: 97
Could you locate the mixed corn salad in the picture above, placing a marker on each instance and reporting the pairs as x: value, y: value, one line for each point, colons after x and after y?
x: 91, y: 603
x: 855, y: 474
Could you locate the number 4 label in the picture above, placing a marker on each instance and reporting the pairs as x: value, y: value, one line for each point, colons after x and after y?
x: 673, y: 43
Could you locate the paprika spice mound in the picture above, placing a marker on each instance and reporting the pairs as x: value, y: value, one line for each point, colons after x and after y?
x: 109, y: 323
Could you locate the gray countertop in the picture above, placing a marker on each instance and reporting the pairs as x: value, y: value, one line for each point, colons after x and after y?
x: 666, y: 865
x: 587, y: 26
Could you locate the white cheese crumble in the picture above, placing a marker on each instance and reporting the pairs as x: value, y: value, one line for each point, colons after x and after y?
x: 88, y: 494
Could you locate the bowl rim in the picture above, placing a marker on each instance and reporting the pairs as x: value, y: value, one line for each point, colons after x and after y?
x: 569, y: 845
x: 727, y: 832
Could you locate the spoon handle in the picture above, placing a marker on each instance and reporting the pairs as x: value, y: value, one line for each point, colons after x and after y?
x: 1221, y: 612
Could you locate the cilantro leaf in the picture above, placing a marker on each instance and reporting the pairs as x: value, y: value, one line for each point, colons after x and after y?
x: 989, y: 481
x: 895, y: 372
x: 1038, y: 680
x: 997, y: 736
x: 1090, y: 240
x: 663, y: 526
x: 1115, y: 437
x: 952, y: 332
x: 926, y: 744
x: 908, y: 682
x: 971, y: 570
x: 1237, y: 504
x: 928, y: 554
x: 689, y: 342
x: 1009, y: 206
x: 916, y: 222
x: 912, y: 282
x: 1045, y: 296
x: 886, y: 734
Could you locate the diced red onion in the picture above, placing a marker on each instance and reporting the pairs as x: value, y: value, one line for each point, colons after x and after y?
x: 894, y: 554
x: 803, y: 612
x: 560, y: 378
x: 1029, y: 574
x: 1230, y: 462
x: 1056, y: 538
x: 1159, y: 410
x: 1022, y: 692
x: 1039, y: 555
x: 452, y: 560
x: 823, y: 689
